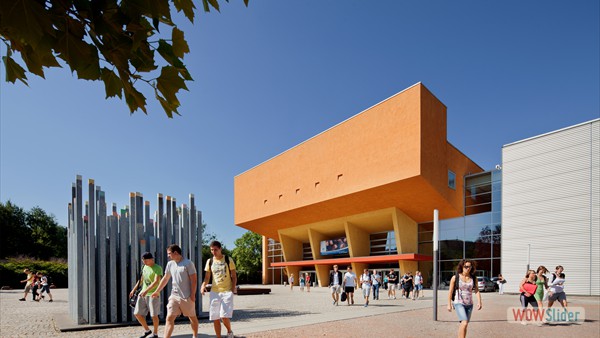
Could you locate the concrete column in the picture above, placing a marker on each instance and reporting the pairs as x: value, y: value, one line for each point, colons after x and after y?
x: 91, y: 253
x: 198, y: 244
x: 175, y: 222
x: 102, y: 285
x: 406, y: 232
x: 139, y: 230
x: 79, y: 265
x: 123, y: 262
x: 184, y: 217
x: 148, y: 227
x: 161, y: 231
x: 113, y: 274
x: 133, y: 246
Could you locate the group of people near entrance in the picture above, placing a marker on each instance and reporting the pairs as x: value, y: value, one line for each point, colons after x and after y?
x: 182, y: 300
x: 534, y: 289
x: 37, y: 283
x: 344, y: 285
x: 537, y: 287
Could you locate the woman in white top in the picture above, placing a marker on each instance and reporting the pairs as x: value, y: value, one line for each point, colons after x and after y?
x: 365, y: 280
x: 460, y: 296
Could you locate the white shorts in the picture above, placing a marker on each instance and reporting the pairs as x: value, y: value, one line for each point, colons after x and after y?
x: 335, y: 288
x: 392, y: 286
x: 221, y: 305
x: 147, y: 304
x: 366, y: 289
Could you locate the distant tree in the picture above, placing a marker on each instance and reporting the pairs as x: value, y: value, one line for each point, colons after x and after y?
x: 110, y: 40
x: 31, y: 233
x: 15, y: 236
x: 248, y: 257
x: 50, y: 239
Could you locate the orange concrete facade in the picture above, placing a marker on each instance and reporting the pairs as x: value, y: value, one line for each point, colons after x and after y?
x: 384, y: 169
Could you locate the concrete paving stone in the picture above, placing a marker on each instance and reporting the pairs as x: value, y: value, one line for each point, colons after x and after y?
x: 302, y: 314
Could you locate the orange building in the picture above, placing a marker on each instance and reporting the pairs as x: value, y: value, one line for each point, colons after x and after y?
x: 370, y: 180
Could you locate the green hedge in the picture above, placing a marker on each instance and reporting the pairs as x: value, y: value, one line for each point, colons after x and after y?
x: 11, y: 271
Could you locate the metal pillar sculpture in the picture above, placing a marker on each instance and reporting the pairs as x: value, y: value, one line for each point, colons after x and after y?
x: 105, y: 250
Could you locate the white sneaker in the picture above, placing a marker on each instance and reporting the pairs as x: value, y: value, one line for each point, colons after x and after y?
x: 230, y: 334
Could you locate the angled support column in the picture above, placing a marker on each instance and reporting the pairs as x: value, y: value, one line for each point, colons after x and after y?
x: 406, y: 231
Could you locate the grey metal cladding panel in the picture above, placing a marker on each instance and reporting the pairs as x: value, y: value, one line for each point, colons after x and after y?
x: 570, y: 158
x: 577, y: 189
x: 557, y: 140
x: 552, y: 168
x: 573, y: 205
x: 578, y: 180
x: 544, y: 225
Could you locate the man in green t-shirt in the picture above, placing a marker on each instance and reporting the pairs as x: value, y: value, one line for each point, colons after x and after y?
x: 151, y: 275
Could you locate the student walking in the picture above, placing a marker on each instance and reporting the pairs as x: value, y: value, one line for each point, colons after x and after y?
x: 291, y: 281
x: 501, y: 281
x: 224, y: 286
x: 527, y: 287
x: 335, y: 281
x: 45, y: 287
x: 460, y: 296
x: 28, y: 284
x: 365, y: 280
x: 349, y: 283
x: 392, y: 280
x: 183, y: 291
x: 375, y: 284
x: 556, y: 289
x: 418, y: 281
x: 149, y: 280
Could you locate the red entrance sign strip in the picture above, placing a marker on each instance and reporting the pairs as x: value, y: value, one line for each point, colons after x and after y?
x: 348, y: 260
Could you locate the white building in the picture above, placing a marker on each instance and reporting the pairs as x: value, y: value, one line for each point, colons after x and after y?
x: 551, y: 207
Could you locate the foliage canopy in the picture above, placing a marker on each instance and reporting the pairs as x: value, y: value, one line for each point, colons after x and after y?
x: 31, y: 233
x: 107, y: 40
x: 248, y: 257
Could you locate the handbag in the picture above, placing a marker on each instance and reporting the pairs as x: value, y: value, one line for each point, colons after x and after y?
x: 343, y: 296
x: 133, y: 299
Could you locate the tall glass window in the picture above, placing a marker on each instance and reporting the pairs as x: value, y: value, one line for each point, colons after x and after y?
x: 383, y: 243
x: 477, y: 235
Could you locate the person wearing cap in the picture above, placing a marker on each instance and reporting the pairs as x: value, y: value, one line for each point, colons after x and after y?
x: 151, y: 275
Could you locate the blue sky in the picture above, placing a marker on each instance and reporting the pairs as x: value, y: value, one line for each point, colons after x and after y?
x: 272, y: 75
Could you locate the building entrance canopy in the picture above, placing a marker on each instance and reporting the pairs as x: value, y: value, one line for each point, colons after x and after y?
x: 364, y: 260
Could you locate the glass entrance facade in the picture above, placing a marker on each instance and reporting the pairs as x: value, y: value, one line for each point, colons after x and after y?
x: 477, y: 235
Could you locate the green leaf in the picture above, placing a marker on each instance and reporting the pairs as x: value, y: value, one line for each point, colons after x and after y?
x: 143, y: 58
x: 135, y: 100
x: 166, y: 51
x: 168, y: 108
x: 180, y: 46
x: 187, y: 6
x: 169, y: 83
x: 112, y: 83
x: 13, y: 70
x: 215, y: 4
x: 27, y: 21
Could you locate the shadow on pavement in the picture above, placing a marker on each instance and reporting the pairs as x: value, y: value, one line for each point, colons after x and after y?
x: 248, y: 315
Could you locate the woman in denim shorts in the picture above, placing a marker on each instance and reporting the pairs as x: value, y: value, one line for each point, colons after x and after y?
x: 460, y: 297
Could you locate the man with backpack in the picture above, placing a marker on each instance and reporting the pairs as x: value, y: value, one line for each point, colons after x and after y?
x: 224, y: 285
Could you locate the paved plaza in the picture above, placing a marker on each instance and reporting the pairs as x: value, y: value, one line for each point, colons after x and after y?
x: 302, y: 314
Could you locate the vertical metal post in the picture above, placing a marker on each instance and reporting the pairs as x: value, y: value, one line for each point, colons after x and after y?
x: 436, y: 229
x: 101, y: 284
